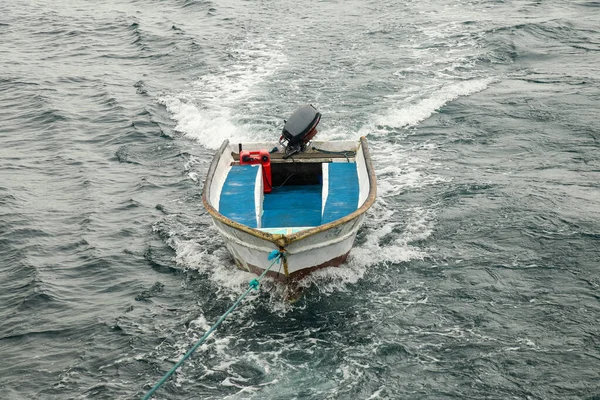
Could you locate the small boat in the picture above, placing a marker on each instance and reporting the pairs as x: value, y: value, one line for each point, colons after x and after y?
x: 305, y: 199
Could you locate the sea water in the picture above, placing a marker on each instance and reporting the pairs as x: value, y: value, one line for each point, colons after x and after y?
x: 475, y: 274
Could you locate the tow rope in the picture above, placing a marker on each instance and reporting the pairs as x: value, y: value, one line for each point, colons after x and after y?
x: 275, y: 256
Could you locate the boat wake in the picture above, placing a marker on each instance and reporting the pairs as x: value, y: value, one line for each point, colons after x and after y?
x: 222, y: 105
x: 236, y: 103
x: 421, y: 109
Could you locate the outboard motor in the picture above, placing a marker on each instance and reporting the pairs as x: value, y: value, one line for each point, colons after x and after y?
x: 299, y: 129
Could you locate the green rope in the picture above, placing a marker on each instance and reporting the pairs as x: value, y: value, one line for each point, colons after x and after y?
x: 253, y: 285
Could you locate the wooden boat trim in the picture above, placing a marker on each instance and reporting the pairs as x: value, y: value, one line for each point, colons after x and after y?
x: 315, y: 157
x: 283, y: 240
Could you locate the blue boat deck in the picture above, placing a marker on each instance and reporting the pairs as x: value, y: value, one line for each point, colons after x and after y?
x: 237, y: 201
x: 298, y: 205
x: 342, y: 198
x: 293, y: 205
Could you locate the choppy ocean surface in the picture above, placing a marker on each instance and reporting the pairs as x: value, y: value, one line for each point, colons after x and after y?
x: 476, y: 275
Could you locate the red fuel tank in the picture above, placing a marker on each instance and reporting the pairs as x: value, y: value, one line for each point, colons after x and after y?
x: 259, y: 157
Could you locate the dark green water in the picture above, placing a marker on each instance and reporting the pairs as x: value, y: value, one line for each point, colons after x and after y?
x: 476, y: 275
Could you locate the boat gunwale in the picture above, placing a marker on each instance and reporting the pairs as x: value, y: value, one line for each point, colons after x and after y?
x: 284, y: 240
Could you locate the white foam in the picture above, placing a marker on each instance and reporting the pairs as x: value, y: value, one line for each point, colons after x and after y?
x: 399, y: 248
x: 210, y: 127
x: 191, y: 254
x: 212, y: 109
x: 220, y: 268
x: 377, y: 394
x: 372, y: 252
x: 418, y: 111
x: 336, y: 133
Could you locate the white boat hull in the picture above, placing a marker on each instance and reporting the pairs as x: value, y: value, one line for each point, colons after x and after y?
x: 324, y: 249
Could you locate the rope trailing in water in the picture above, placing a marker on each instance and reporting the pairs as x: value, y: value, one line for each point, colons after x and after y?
x: 275, y: 256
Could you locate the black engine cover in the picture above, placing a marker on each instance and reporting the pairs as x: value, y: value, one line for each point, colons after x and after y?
x: 300, y: 124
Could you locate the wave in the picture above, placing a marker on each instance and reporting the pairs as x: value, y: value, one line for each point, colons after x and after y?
x: 414, y: 113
